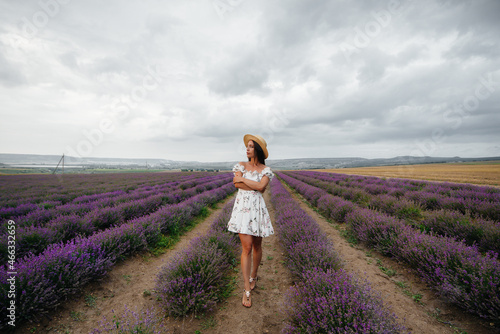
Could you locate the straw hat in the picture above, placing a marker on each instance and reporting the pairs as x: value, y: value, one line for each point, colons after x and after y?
x: 258, y: 139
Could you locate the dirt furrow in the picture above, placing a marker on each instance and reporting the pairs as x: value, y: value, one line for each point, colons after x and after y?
x: 274, y: 279
x: 430, y: 315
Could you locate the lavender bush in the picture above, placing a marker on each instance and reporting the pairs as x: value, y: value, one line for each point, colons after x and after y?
x: 456, y: 271
x: 482, y: 233
x: 306, y: 246
x: 331, y: 207
x: 335, y: 302
x: 191, y: 282
x: 375, y: 229
x: 43, y: 281
x: 194, y: 281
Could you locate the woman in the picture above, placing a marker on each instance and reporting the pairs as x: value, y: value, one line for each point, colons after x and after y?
x: 250, y: 217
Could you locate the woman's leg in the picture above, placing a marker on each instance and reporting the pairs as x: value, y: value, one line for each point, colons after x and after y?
x: 246, y: 253
x: 257, y: 257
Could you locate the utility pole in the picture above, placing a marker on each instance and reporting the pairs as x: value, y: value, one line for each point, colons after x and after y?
x: 62, y: 159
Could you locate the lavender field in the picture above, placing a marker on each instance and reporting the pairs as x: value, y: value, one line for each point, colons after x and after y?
x: 448, y: 234
x: 72, y: 231
x: 68, y: 232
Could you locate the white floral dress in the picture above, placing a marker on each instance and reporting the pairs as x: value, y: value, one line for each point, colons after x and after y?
x: 250, y: 215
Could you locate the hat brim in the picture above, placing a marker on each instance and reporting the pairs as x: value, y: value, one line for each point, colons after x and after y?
x: 262, y: 144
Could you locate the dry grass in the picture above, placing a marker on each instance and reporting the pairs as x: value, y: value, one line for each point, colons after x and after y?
x: 485, y: 173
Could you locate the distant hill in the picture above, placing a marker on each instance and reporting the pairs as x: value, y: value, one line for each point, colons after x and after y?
x: 15, y: 159
x: 7, y: 160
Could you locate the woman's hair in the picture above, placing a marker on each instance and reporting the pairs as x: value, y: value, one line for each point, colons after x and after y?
x: 260, y: 153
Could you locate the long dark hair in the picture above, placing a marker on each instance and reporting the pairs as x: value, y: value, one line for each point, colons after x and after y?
x: 260, y: 153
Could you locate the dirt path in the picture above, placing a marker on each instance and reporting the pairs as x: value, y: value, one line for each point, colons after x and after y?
x: 432, y: 315
x: 125, y: 284
x: 274, y: 280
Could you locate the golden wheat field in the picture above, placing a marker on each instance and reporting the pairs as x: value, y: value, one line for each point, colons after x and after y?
x: 487, y: 173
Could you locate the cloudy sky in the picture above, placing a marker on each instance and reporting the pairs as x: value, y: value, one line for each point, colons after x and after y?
x: 185, y: 80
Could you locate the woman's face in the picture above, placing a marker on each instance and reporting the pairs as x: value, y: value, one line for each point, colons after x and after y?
x: 250, y: 149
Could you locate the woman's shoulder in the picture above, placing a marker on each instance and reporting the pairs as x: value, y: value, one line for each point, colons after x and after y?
x: 242, y: 165
x: 239, y: 167
x: 267, y: 172
x: 266, y: 169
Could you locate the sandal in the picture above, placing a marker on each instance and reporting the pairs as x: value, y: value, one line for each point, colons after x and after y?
x: 254, y: 280
x: 247, y: 295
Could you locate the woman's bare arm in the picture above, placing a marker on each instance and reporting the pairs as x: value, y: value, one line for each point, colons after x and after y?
x: 253, y: 185
x: 241, y: 183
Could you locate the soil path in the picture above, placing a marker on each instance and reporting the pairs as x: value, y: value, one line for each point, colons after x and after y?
x: 274, y: 279
x: 431, y: 315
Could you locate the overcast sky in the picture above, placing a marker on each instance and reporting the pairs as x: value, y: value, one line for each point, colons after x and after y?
x: 185, y: 80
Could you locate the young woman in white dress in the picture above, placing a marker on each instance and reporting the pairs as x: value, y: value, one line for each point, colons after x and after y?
x: 250, y: 218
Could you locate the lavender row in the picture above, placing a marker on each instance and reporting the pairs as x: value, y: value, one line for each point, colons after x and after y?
x: 306, y: 246
x: 19, y: 189
x: 52, y: 208
x: 66, y: 227
x: 39, y: 199
x: 44, y: 280
x: 20, y: 186
x: 330, y: 206
x: 40, y: 216
x: 429, y: 200
x: 195, y: 280
x: 22, y: 189
x: 456, y: 271
x: 326, y: 299
x: 479, y: 202
x: 484, y: 234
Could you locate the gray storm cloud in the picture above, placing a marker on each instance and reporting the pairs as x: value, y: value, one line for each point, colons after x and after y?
x: 186, y: 80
